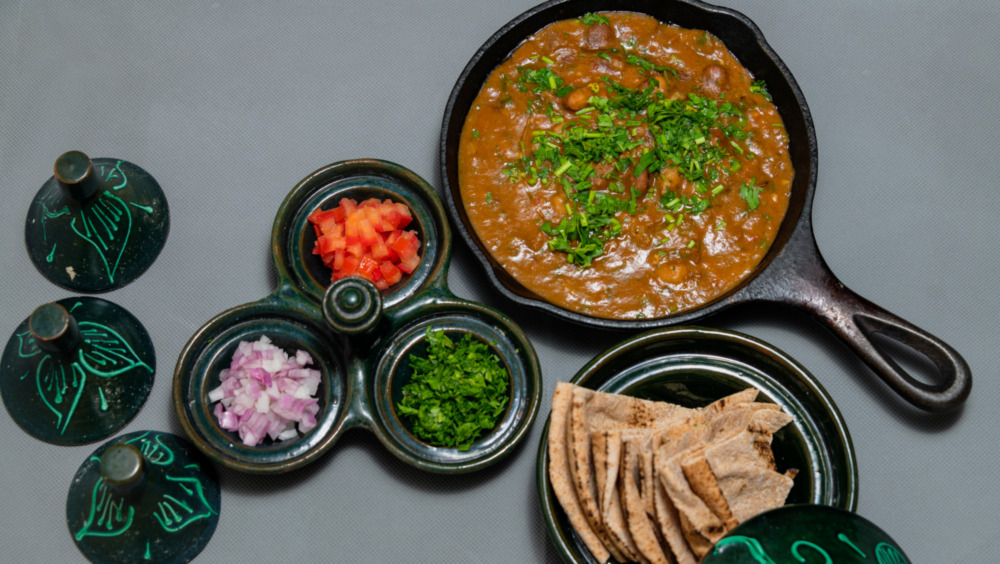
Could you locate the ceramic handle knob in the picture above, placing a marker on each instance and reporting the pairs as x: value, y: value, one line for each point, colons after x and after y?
x: 54, y: 329
x: 122, y: 468
x: 75, y: 174
x: 352, y: 305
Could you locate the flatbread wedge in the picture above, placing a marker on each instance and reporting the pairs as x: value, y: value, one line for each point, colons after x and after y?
x: 599, y: 411
x: 559, y: 472
x: 744, y: 468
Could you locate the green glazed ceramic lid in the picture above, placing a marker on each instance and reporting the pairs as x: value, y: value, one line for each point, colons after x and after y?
x: 96, y: 224
x: 77, y: 370
x: 807, y: 533
x: 143, y: 497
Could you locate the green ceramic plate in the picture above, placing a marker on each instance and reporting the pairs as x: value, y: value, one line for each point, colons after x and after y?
x: 693, y: 366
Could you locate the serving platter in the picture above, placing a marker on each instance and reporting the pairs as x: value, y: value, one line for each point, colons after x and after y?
x: 694, y: 366
x: 360, y: 338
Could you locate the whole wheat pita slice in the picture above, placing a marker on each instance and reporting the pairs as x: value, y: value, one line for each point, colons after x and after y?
x: 606, y: 449
x: 581, y: 465
x: 703, y: 483
x: 700, y: 525
x: 670, y: 523
x: 744, y: 468
x: 665, y: 513
x: 639, y: 513
x: 598, y: 411
x: 559, y: 472
x: 616, y: 521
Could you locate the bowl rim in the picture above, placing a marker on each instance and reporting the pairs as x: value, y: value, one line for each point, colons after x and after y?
x: 516, y: 423
x: 331, y: 420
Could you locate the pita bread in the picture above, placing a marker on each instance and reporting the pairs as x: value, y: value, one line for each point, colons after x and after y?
x: 654, y: 482
x: 744, y: 468
x: 638, y: 513
x: 599, y: 411
x: 703, y: 483
x: 670, y: 524
x: 700, y: 525
x: 559, y: 472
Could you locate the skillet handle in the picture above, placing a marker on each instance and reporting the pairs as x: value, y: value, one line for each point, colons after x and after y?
x: 801, y: 277
x: 855, y: 320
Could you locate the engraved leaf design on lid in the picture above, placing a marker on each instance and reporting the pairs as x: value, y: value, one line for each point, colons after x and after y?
x: 60, y: 386
x: 60, y: 382
x: 153, y: 449
x: 110, y: 515
x: 105, y: 223
x: 104, y: 353
x: 888, y: 554
x: 753, y: 546
x: 27, y: 347
x: 185, y: 505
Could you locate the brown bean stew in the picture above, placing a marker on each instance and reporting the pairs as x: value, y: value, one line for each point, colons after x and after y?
x: 624, y: 168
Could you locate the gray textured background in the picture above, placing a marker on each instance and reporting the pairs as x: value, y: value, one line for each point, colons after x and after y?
x: 228, y: 105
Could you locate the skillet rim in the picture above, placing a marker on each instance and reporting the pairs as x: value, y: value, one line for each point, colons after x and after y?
x: 742, y: 36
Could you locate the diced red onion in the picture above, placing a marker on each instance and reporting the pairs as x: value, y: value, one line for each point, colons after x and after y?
x: 266, y: 392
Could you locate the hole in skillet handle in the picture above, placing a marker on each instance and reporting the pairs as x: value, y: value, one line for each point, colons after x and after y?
x: 293, y: 236
x: 211, y: 351
x: 393, y: 372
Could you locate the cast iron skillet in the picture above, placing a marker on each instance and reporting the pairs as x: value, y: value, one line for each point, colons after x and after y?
x: 793, y: 272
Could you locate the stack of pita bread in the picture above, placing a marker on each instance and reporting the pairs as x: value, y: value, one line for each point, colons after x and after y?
x: 647, y: 481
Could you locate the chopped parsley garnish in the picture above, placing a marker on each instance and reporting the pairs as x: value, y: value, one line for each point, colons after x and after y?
x: 540, y: 80
x: 624, y: 134
x: 759, y: 87
x: 591, y: 19
x: 750, y: 192
x: 456, y: 392
x: 640, y: 62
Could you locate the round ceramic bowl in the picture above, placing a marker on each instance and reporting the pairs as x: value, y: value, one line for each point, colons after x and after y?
x: 792, y: 272
x: 360, y: 337
x: 694, y: 366
x: 393, y: 372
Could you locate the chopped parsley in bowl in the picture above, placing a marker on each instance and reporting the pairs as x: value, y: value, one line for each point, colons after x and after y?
x: 456, y: 393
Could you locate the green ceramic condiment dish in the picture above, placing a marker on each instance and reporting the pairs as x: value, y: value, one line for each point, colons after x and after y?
x: 693, y: 366
x: 359, y: 337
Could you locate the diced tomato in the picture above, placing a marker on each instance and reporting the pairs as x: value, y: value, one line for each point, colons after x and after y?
x: 369, y: 268
x: 355, y: 250
x: 390, y: 273
x: 410, y: 263
x: 404, y: 213
x: 380, y: 251
x: 366, y: 232
x: 351, y: 230
x: 406, y: 245
x: 366, y: 240
x: 349, y: 267
x: 326, y: 244
x: 348, y: 205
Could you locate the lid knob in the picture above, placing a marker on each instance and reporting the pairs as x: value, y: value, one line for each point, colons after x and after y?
x: 75, y: 175
x: 54, y: 329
